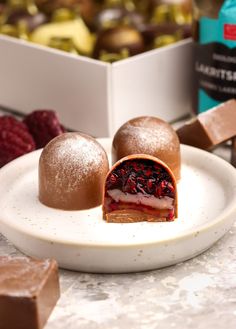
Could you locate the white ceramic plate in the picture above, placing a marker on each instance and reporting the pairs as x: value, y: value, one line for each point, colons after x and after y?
x: 81, y: 240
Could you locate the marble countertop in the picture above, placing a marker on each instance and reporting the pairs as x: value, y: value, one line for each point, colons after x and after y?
x: 199, y: 293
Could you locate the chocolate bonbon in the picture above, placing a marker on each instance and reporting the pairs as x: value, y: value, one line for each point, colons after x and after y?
x: 24, y: 12
x: 211, y: 128
x: 86, y: 26
x: 152, y: 33
x: 139, y: 188
x: 29, y: 290
x: 148, y: 135
x: 116, y: 39
x: 72, y: 171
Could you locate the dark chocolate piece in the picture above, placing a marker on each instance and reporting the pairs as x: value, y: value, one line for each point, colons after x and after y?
x: 233, y: 154
x: 210, y: 128
x: 139, y: 188
x: 29, y: 290
x: 151, y: 31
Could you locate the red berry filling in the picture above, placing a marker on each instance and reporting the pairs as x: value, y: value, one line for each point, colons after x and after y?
x: 141, y: 185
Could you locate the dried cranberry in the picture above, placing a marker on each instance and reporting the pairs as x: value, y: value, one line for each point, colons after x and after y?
x: 151, y: 183
x: 141, y: 177
x: 130, y: 186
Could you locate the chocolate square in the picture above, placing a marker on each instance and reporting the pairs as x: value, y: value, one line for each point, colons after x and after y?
x: 210, y: 128
x: 29, y: 290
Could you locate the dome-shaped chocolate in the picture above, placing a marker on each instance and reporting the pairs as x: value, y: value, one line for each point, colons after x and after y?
x: 148, y: 135
x: 118, y: 38
x: 72, y: 171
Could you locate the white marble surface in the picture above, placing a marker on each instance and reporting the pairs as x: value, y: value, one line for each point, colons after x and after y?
x: 199, y: 294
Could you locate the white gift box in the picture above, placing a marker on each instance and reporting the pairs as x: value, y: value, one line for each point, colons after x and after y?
x: 93, y: 96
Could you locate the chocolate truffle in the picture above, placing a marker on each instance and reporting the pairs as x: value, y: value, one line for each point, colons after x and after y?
x: 148, y: 135
x: 29, y: 290
x: 72, y: 171
x: 118, y: 38
x: 139, y: 188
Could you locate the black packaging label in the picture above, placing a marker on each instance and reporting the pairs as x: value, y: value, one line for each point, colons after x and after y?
x: 215, y: 71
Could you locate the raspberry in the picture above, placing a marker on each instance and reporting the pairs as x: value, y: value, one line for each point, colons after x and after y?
x: 43, y: 126
x: 15, y: 139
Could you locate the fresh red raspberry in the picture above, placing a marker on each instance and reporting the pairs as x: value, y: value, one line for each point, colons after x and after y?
x: 43, y: 126
x: 15, y: 139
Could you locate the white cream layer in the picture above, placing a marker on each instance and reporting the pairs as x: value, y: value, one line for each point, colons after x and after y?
x: 144, y: 199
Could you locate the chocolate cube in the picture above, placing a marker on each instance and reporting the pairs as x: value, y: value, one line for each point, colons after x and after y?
x: 210, y: 128
x: 29, y: 290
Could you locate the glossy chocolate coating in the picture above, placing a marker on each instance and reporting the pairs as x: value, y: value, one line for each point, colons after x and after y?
x: 32, y: 21
x: 148, y: 135
x: 29, y: 290
x: 113, y: 40
x: 210, y: 128
x: 72, y: 170
x: 150, y: 31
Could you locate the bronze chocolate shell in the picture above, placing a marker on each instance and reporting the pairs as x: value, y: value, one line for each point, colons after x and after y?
x: 148, y: 135
x: 129, y: 214
x: 72, y: 171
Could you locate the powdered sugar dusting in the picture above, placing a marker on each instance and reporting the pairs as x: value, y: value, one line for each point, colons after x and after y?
x: 71, y: 158
x: 149, y: 139
x: 14, y: 271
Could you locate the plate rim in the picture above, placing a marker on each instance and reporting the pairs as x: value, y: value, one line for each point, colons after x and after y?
x: 225, y: 215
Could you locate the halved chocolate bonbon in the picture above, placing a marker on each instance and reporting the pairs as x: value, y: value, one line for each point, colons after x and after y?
x: 138, y: 188
x: 148, y: 135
